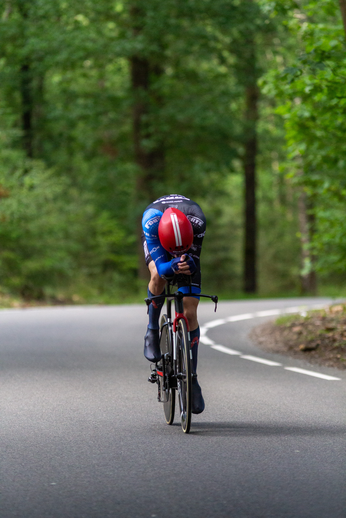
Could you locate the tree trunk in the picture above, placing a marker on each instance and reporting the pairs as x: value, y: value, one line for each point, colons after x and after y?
x: 39, y: 116
x: 306, y: 221
x: 26, y: 91
x: 148, y: 151
x: 250, y: 152
x: 343, y: 12
x: 27, y: 109
x: 150, y: 161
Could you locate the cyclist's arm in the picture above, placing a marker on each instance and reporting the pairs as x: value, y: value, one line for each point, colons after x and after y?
x: 150, y: 225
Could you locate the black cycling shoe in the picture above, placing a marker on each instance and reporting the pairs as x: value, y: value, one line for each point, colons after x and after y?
x: 152, y: 346
x: 197, y: 398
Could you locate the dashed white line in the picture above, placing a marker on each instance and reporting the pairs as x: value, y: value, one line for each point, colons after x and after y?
x: 261, y: 360
x: 215, y: 323
x: 207, y: 341
x: 224, y: 349
x: 311, y: 373
x: 294, y: 309
x: 266, y: 313
x: 236, y: 318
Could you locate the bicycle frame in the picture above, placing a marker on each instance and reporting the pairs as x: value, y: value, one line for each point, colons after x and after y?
x: 177, y: 297
x: 173, y: 371
x: 172, y: 328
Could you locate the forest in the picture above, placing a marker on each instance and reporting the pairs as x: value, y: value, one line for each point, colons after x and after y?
x: 107, y: 105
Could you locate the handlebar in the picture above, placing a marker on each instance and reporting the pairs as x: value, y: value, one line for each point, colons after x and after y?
x: 180, y: 295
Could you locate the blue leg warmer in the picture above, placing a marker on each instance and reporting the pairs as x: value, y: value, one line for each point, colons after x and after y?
x: 155, y: 310
x: 194, y: 335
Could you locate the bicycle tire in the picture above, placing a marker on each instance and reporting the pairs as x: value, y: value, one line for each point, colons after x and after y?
x: 184, y: 378
x: 167, y: 392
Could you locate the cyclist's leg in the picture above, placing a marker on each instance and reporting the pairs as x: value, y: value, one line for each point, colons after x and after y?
x: 190, y: 311
x: 151, y: 340
x: 156, y: 287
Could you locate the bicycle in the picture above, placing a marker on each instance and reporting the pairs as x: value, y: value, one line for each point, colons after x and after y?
x: 173, y: 372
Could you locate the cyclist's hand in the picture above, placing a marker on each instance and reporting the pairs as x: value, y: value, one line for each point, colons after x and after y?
x: 190, y: 263
x: 184, y: 264
x: 175, y: 263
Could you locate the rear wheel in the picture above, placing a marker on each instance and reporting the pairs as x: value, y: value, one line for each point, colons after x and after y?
x: 184, y: 380
x: 165, y: 376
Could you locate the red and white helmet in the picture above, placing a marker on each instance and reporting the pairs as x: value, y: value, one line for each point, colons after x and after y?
x: 175, y: 231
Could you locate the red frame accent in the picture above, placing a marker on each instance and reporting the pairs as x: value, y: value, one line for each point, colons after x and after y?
x: 178, y: 316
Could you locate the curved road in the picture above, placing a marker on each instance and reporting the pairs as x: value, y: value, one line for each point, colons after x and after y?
x: 82, y: 435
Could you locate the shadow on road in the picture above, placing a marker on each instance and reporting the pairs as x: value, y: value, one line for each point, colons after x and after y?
x: 219, y: 429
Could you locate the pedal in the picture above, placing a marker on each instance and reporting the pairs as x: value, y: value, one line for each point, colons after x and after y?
x: 153, y: 377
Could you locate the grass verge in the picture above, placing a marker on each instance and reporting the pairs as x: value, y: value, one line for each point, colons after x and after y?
x: 318, y: 336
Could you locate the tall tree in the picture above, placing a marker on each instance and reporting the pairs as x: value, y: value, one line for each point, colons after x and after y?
x: 343, y: 12
x: 26, y: 85
x: 249, y: 71
x: 310, y: 90
x: 148, y: 149
x: 306, y: 227
x: 249, y: 160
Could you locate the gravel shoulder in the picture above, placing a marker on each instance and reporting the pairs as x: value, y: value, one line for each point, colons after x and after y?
x: 317, y: 336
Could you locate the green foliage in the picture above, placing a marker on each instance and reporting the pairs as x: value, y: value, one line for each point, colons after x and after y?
x: 50, y: 233
x: 69, y: 213
x: 309, y: 88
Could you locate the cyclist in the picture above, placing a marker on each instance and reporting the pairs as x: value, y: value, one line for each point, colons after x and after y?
x: 173, y: 232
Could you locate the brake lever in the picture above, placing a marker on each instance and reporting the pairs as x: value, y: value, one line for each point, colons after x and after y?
x: 215, y: 299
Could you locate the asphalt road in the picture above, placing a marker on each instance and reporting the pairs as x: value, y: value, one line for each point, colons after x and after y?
x: 83, y: 436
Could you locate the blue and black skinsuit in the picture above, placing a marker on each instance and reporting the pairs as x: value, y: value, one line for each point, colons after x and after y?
x: 153, y: 250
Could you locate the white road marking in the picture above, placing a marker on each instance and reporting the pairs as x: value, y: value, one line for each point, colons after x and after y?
x: 311, y: 373
x: 207, y: 341
x: 260, y: 360
x: 294, y: 309
x: 236, y: 318
x: 215, y: 323
x: 267, y: 313
x: 224, y: 349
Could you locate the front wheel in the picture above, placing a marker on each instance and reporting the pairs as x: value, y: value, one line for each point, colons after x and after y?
x: 165, y: 376
x: 184, y: 380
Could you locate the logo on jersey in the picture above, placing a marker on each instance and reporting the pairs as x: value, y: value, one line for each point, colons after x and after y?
x: 172, y: 198
x: 195, y: 222
x: 152, y: 222
x: 158, y: 259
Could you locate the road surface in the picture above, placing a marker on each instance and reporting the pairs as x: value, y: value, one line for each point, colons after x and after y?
x: 82, y: 435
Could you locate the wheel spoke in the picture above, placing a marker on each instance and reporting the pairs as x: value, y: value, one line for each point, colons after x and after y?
x: 168, y: 393
x: 184, y: 376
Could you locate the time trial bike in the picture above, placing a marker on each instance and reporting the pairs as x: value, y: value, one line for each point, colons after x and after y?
x: 173, y: 372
